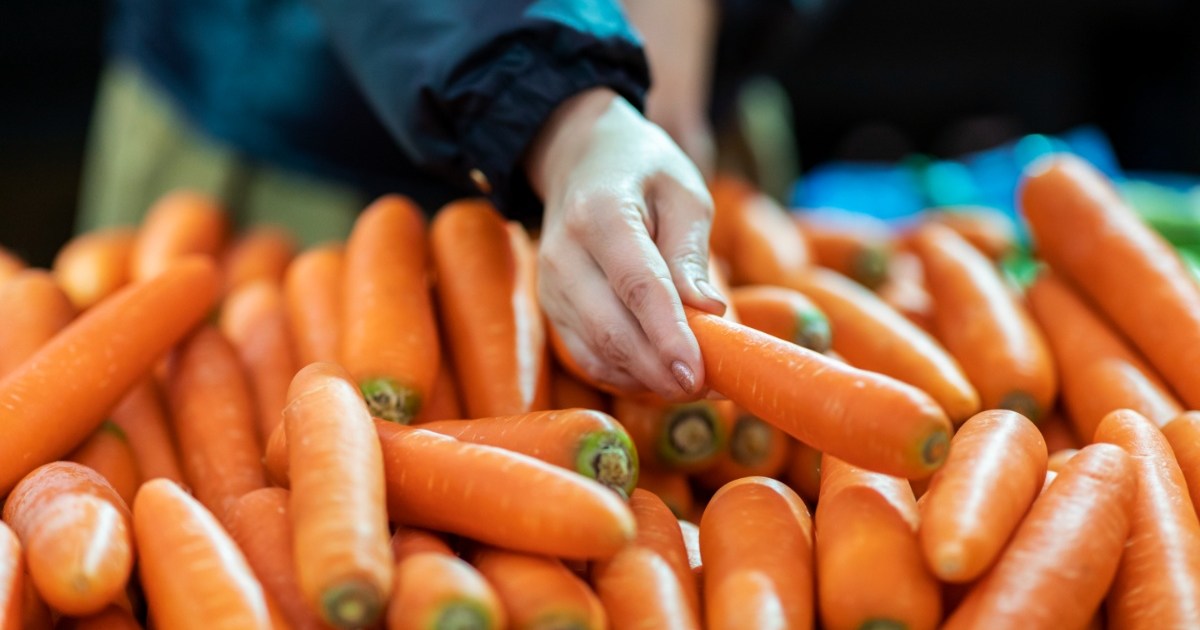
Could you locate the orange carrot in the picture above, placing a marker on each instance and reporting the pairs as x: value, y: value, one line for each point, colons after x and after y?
x: 275, y: 459
x: 986, y: 229
x: 108, y: 452
x: 409, y: 541
x: 12, y: 579
x: 1083, y: 228
x: 75, y: 530
x: 261, y: 253
x: 685, y: 437
x: 539, y: 592
x: 785, y: 558
x: 312, y: 290
x: 1158, y: 580
x: 179, y: 224
x: 140, y: 415
x: 253, y: 318
x: 672, y: 488
x: 112, y: 618
x: 1183, y: 434
x: 213, y: 416
x: 55, y: 400
x: 870, y: 572
x: 486, y: 290
x: 873, y: 336
x: 1058, y: 460
x: 35, y: 614
x: 754, y: 448
x: 1057, y: 433
x: 803, y: 473
x: 260, y: 523
x: 996, y: 467
x: 1100, y: 372
x: 389, y: 339
x: 983, y: 326
x: 442, y: 591
x: 768, y: 248
x: 747, y: 601
x: 445, y: 403
x: 1062, y: 558
x: 866, y: 418
x: 588, y: 442
x: 854, y: 244
x: 193, y: 573
x: 783, y: 313
x: 729, y: 193
x: 10, y: 264
x: 568, y: 392
x: 691, y: 541
x: 343, y: 557
x: 905, y: 290
x: 95, y: 265
x: 32, y: 310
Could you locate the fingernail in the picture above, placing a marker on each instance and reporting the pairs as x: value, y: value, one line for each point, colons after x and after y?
x: 684, y: 376
x: 709, y: 291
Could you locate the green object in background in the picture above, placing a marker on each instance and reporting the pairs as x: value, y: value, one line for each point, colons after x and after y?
x: 1020, y: 267
x: 1173, y: 213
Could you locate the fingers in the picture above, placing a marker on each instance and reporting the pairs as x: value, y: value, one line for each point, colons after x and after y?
x: 683, y: 222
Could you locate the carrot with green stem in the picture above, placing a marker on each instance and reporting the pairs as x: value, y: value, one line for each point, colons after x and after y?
x: 865, y: 418
x: 55, y: 400
x: 93, y: 266
x: 75, y: 530
x: 109, y: 453
x: 436, y: 589
x: 389, y: 340
x: 193, y: 573
x: 253, y: 318
x: 261, y: 253
x: 685, y: 437
x: 873, y: 336
x: 181, y: 223
x: 854, y: 244
x: 539, y: 593
x: 12, y: 578
x: 1183, y: 434
x: 783, y: 313
x: 1060, y: 562
x: 1158, y: 580
x: 977, y: 499
x: 141, y: 416
x: 312, y: 292
x: 755, y: 448
x: 33, y: 308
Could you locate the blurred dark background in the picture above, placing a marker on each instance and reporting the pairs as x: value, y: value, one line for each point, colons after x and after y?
x: 868, y: 79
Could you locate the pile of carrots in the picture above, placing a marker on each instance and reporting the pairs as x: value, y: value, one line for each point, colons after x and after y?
x: 209, y: 429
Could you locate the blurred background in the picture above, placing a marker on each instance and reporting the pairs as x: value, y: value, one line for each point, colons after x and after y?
x: 933, y: 100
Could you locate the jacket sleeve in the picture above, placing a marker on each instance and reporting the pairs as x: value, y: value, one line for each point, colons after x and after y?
x: 464, y: 85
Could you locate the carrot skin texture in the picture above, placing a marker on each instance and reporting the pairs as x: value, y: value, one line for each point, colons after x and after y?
x: 95, y: 265
x: 434, y: 589
x: 1062, y: 558
x: 179, y: 224
x: 445, y: 402
x: 143, y: 418
x: 312, y: 291
x: 639, y: 590
x: 853, y: 244
x: 539, y: 592
x: 108, y: 452
x: 1183, y: 434
x: 253, y: 319
x: 12, y: 579
x: 33, y: 308
x: 53, y: 401
x: 783, y: 313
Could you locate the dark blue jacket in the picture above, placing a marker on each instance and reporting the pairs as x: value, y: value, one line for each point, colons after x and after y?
x: 389, y: 95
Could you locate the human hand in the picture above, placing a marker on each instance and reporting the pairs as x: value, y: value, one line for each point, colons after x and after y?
x: 624, y: 238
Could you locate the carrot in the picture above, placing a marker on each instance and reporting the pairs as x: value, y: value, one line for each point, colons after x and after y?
x: 409, y: 541
x: 854, y: 244
x: 389, y: 339
x: 180, y: 223
x: 140, y: 415
x: 803, y: 472
x: 445, y: 403
x: 996, y: 466
x: 435, y: 590
x: 10, y: 264
x: 93, y: 266
x: 873, y: 336
x: 486, y: 291
x: 691, y: 541
x: 55, y: 400
x: 988, y: 230
x: 568, y: 392
x: 108, y: 452
x: 1058, y: 459
x: 783, y: 313
x: 193, y: 573
x: 588, y: 442
x: 312, y: 291
x: 866, y: 418
x: 32, y: 310
x: 870, y: 572
x: 785, y: 558
x: 261, y: 525
x: 991, y: 336
x: 729, y: 193
x: 539, y: 592
x: 275, y: 458
x: 499, y: 497
x: 253, y: 318
x: 35, y: 614
x: 111, y: 618
x: 748, y: 600
x: 685, y: 437
x: 261, y: 253
x: 1158, y: 581
x: 755, y: 448
x: 1057, y: 433
x: 768, y: 248
x: 12, y: 579
x: 672, y: 488
x: 213, y: 417
x: 905, y: 290
x: 1062, y: 558
x: 1099, y: 371
x: 1183, y: 434
x: 75, y: 532
x: 1123, y: 266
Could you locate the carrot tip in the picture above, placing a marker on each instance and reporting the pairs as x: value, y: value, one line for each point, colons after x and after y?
x: 352, y: 604
x: 462, y: 615
x: 948, y: 561
x: 870, y: 267
x: 882, y: 624
x: 936, y: 448
x: 1023, y: 404
x: 691, y: 434
x: 390, y: 400
x: 611, y: 460
x: 813, y: 331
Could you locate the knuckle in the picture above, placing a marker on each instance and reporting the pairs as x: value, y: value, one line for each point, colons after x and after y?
x: 637, y: 290
x: 613, y: 346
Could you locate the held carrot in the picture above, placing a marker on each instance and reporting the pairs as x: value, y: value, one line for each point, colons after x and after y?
x: 76, y: 534
x: 108, y: 452
x: 193, y: 573
x: 803, y: 472
x: 854, y: 244
x: 1183, y: 434
x: 873, y: 336
x: 253, y: 318
x: 1158, y: 580
x: 866, y: 418
x: 95, y: 265
x: 1062, y: 558
x: 33, y: 308
x: 672, y: 488
x: 487, y: 295
x: 996, y: 467
x: 1090, y: 235
x: 213, y: 417
x: 783, y: 313
x: 436, y: 590
x: 140, y: 415
x: 980, y: 322
x: 539, y: 592
x: 755, y: 448
x: 312, y: 291
x: 389, y: 340
x: 684, y: 437
x: 179, y: 224
x: 54, y: 400
x: 261, y: 253
x: 785, y: 558
x: 588, y: 442
x: 568, y: 392
x: 445, y: 403
x: 12, y: 579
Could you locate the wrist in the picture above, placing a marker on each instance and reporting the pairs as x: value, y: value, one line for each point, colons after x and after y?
x: 563, y: 138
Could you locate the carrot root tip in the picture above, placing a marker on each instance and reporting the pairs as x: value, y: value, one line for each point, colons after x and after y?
x: 870, y: 267
x: 882, y: 624
x: 1021, y: 403
x: 390, y: 400
x: 610, y: 459
x: 948, y: 561
x: 751, y: 441
x: 352, y: 604
x: 691, y: 434
x: 813, y: 331
x: 935, y: 449
x: 462, y: 615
